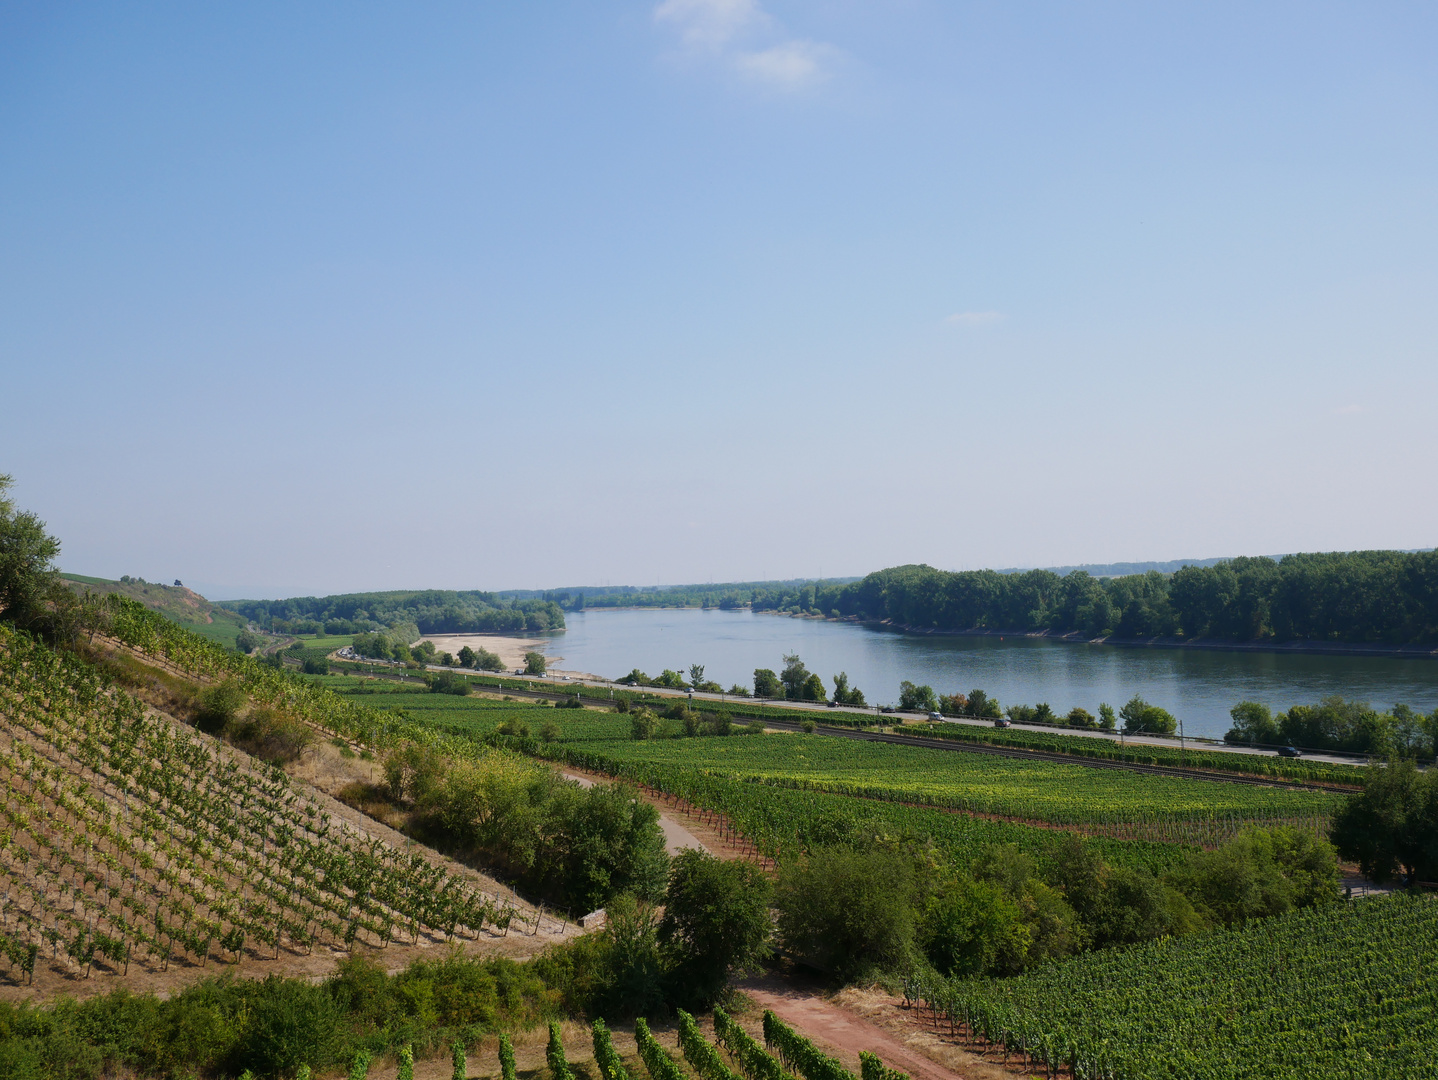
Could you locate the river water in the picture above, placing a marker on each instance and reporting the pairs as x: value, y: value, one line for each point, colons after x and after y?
x: 1199, y: 686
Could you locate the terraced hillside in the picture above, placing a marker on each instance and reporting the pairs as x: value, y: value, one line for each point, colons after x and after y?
x: 128, y: 839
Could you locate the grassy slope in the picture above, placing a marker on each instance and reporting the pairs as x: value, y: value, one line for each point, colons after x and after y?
x: 180, y: 605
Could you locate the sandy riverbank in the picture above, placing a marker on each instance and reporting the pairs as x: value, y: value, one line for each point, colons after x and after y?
x: 511, y: 650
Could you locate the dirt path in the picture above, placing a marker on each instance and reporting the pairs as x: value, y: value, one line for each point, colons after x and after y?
x: 858, y: 1020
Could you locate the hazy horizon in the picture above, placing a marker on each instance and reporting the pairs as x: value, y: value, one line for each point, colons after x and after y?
x: 299, y: 301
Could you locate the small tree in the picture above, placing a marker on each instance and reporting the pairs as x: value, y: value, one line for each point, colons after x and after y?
x: 1106, y: 718
x: 795, y: 678
x: 917, y: 698
x: 534, y: 663
x: 716, y: 922
x: 1141, y: 717
x: 981, y: 705
x: 467, y: 657
x: 767, y: 684
x: 1388, y: 829
x: 642, y: 724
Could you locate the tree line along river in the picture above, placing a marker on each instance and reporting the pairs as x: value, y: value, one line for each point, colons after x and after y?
x: 1198, y: 686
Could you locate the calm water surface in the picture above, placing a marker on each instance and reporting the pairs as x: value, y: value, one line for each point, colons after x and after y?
x: 1199, y: 686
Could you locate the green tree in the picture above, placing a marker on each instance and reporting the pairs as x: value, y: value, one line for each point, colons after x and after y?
x: 1252, y: 723
x: 813, y: 689
x: 642, y: 724
x: 1390, y: 828
x: 795, y: 678
x: 1106, y: 718
x: 953, y: 704
x: 716, y: 923
x: 981, y: 705
x: 844, y: 694
x: 850, y: 911
x: 696, y: 675
x: 1080, y: 718
x: 767, y: 684
x: 972, y: 928
x: 1140, y: 717
x: 534, y: 663
x: 1258, y: 873
x: 28, y: 577
x: 467, y: 657
x: 917, y: 698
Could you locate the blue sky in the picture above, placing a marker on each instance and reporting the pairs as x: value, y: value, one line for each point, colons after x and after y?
x: 311, y: 298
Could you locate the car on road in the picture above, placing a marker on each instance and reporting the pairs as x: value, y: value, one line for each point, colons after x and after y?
x: 1289, y: 751
x: 887, y: 709
x: 1001, y: 722
x: 936, y: 715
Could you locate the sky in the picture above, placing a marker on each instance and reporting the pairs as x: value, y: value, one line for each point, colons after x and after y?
x: 302, y: 299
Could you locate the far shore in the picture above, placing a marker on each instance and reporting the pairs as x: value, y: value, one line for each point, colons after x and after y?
x: 1317, y: 648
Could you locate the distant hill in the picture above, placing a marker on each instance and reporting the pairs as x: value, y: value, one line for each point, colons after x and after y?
x: 175, y: 602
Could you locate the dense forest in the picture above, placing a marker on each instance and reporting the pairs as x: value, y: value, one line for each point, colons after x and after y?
x: 434, y: 611
x: 1386, y: 597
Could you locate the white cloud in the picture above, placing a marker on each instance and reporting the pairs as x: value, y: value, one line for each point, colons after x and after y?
x: 718, y: 27
x: 975, y: 318
x: 711, y: 24
x: 789, y: 66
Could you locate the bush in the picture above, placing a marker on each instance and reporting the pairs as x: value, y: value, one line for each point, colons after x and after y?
x: 448, y: 682
x: 219, y: 706
x: 315, y: 665
x: 289, y: 1023
x: 716, y: 923
x: 850, y: 912
x: 534, y: 663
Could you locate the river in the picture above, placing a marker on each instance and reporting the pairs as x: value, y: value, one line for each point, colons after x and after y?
x: 1199, y: 686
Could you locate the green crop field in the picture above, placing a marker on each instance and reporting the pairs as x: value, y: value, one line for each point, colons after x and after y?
x: 323, y: 644
x: 1118, y: 804
x: 1042, y: 790
x: 1348, y: 990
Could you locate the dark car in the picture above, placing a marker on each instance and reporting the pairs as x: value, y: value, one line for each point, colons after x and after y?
x: 1289, y: 751
x: 887, y: 709
x: 1001, y: 722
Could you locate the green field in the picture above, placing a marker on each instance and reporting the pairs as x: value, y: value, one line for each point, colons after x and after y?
x: 1039, y: 790
x: 1042, y: 790
x: 1348, y: 990
x: 781, y: 788
x: 323, y: 644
